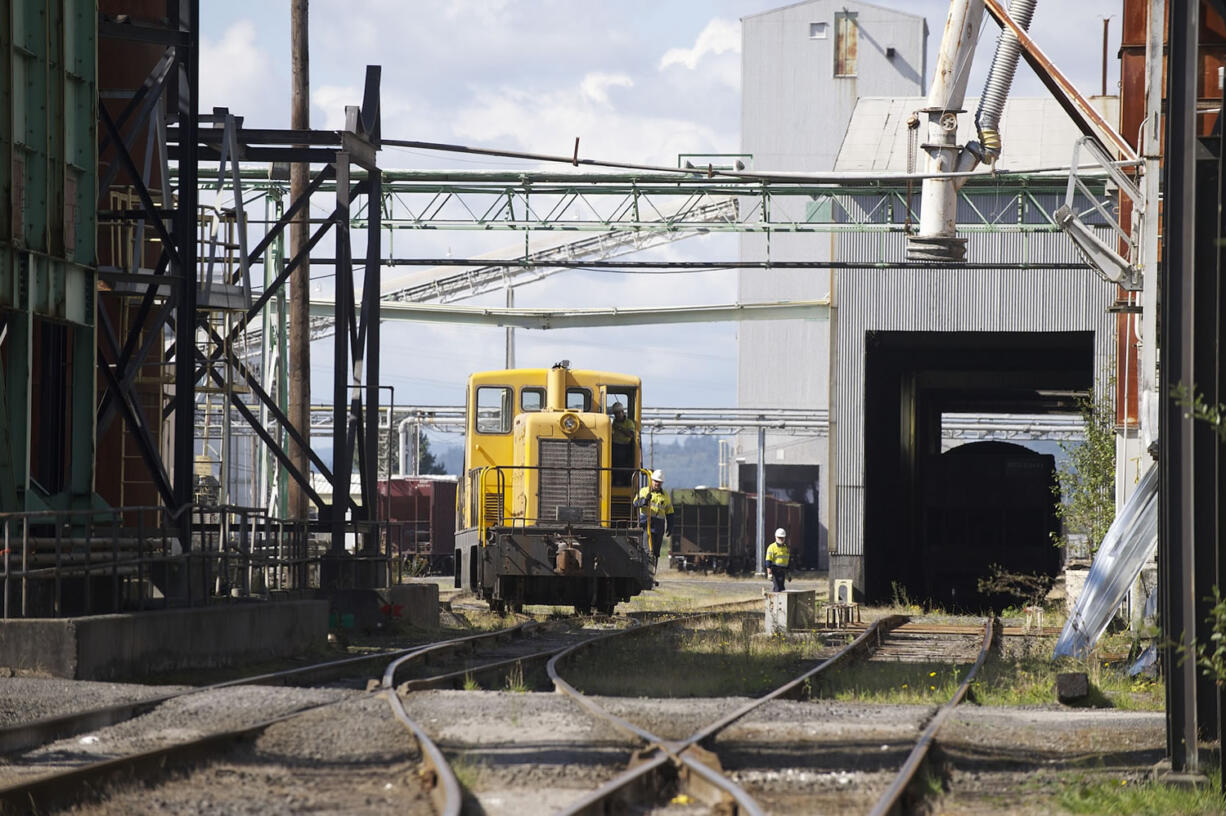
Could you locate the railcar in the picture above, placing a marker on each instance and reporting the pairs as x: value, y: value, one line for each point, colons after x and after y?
x: 715, y: 529
x: 421, y: 514
x: 545, y: 502
x: 984, y: 504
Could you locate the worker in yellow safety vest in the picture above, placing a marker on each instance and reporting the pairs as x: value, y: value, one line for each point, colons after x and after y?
x: 655, y: 512
x: 777, y: 557
x: 623, y: 433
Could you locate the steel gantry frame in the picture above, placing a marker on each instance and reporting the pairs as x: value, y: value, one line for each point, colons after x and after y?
x: 177, y: 297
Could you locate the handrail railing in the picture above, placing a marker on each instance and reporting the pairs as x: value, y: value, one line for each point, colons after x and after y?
x: 87, y: 561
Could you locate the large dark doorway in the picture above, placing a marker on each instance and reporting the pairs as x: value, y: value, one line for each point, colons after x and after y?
x: 922, y: 535
x: 794, y: 483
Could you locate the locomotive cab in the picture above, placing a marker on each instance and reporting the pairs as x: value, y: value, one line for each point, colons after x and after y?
x: 545, y: 517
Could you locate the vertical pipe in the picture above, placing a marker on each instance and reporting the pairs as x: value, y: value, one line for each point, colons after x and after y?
x: 937, y: 238
x: 1176, y: 507
x: 1106, y: 27
x: 300, y: 281
x: 510, y: 329
x: 760, y: 523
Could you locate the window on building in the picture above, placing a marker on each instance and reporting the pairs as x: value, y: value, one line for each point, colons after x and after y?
x: 846, y: 43
x: 818, y: 31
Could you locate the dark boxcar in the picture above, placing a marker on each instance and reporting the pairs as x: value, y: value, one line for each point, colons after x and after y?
x: 422, y: 517
x: 985, y: 504
x: 716, y: 529
x: 788, y: 515
x: 709, y: 526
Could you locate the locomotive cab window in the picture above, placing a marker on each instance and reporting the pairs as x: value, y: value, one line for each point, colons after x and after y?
x: 578, y: 399
x: 624, y: 396
x: 532, y: 399
x: 493, y: 409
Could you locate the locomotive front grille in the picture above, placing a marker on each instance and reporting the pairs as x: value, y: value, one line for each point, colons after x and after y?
x: 570, y: 480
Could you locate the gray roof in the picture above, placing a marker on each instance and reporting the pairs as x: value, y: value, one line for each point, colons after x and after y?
x: 837, y: 4
x: 1036, y: 133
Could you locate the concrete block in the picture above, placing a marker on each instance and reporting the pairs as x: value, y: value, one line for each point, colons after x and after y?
x: 790, y: 610
x: 135, y: 645
x: 1072, y: 687
x: 415, y: 604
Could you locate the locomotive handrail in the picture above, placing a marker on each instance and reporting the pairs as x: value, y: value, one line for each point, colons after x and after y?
x: 483, y: 472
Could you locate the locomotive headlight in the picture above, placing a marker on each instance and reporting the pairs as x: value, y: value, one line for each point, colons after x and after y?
x: 569, y: 423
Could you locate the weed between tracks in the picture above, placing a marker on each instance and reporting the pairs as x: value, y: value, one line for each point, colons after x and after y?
x: 713, y: 658
x: 1018, y: 680
x: 1098, y: 795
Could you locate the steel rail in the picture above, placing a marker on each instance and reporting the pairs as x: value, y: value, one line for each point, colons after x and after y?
x: 890, y: 801
x: 681, y: 752
x: 62, y: 787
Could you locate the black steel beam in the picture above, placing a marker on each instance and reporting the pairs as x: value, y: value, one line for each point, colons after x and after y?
x: 184, y: 16
x: 369, y: 338
x: 1176, y: 341
x: 142, y: 33
x: 1205, y: 266
x: 342, y: 455
x: 322, y: 176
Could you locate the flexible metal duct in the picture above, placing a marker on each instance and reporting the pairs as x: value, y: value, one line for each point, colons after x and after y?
x: 1000, y: 79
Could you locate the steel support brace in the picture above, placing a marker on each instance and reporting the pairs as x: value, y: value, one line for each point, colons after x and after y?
x: 343, y: 316
x: 184, y: 18
x: 1206, y: 265
x: 1176, y: 564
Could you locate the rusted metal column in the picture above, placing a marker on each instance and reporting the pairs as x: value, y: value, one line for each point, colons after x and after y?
x: 300, y: 280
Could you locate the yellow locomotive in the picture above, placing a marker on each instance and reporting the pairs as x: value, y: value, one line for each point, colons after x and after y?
x: 545, y: 501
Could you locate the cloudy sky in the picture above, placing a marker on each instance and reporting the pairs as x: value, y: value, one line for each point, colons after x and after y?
x: 637, y: 81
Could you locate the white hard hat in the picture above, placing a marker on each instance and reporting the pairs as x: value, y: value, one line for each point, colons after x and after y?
x: 617, y: 406
x: 781, y: 533
x: 657, y: 475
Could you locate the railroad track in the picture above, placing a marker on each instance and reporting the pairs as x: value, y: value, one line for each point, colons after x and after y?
x: 481, y: 655
x: 690, y: 769
x: 485, y: 658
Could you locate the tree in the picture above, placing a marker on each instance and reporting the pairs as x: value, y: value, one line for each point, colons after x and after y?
x: 430, y: 465
x: 1085, y: 481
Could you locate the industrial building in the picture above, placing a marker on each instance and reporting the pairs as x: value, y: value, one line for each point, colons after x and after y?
x: 889, y: 290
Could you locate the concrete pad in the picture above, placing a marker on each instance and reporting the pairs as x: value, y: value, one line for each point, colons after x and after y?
x: 135, y: 645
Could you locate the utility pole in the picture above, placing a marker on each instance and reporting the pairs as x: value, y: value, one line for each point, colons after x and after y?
x: 300, y: 280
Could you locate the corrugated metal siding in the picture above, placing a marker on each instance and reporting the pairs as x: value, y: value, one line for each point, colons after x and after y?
x: 949, y: 300
x: 851, y: 520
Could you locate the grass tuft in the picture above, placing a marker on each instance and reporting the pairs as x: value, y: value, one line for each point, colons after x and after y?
x: 1141, y: 797
x: 714, y: 658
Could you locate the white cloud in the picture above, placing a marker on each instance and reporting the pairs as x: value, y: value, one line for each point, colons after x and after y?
x: 330, y: 100
x: 235, y: 72
x: 595, y: 86
x: 548, y: 122
x: 719, y: 37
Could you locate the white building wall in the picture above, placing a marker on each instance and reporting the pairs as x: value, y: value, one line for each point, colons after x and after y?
x: 794, y: 114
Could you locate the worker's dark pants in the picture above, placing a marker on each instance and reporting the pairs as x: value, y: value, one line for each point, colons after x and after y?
x: 623, y: 463
x: 655, y: 533
x: 778, y: 575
